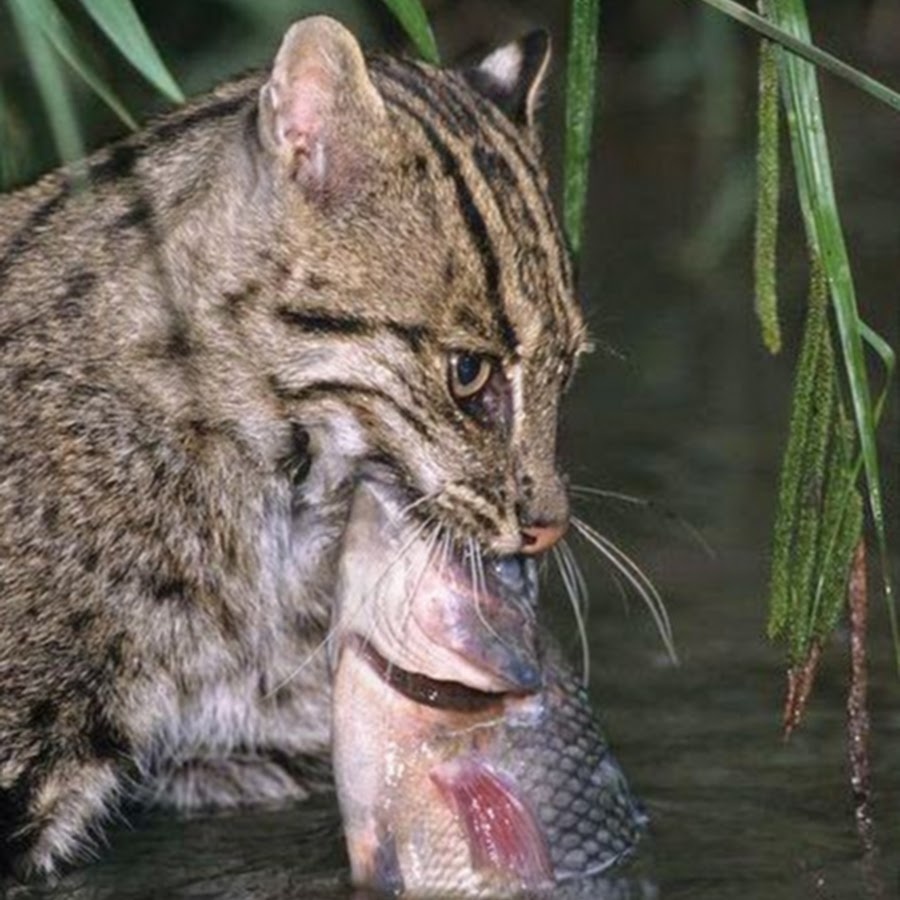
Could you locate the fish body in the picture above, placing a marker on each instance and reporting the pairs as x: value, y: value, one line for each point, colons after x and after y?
x: 447, y: 789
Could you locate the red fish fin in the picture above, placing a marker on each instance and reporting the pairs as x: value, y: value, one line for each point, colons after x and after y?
x: 502, y: 831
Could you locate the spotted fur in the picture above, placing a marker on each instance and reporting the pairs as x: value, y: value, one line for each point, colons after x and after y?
x: 206, y: 334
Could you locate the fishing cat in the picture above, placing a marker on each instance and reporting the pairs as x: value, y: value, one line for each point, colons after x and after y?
x: 344, y: 267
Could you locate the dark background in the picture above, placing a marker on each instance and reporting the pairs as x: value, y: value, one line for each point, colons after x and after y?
x: 680, y: 405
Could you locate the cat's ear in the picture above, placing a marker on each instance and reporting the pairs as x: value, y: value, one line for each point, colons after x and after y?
x: 513, y: 75
x: 319, y: 109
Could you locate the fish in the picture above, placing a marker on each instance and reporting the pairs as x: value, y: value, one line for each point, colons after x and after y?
x: 467, y: 760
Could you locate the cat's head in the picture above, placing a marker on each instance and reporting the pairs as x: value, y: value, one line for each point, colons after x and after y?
x: 431, y: 304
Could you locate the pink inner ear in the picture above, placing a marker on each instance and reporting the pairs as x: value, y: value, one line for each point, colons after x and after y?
x: 503, y: 833
x: 302, y: 104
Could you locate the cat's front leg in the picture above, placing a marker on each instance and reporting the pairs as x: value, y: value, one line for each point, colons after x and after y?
x: 264, y: 739
x: 242, y: 779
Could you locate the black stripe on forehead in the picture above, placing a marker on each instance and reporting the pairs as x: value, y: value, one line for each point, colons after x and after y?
x: 531, y: 259
x: 471, y: 215
x: 462, y: 122
x: 464, y: 114
x: 532, y: 262
x: 457, y: 86
x: 431, y: 91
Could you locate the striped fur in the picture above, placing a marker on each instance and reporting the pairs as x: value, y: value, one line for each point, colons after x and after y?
x: 199, y: 353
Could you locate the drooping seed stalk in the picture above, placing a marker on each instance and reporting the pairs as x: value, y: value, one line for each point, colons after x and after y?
x: 819, y: 518
x: 767, y: 191
x: 815, y: 187
x: 802, y: 476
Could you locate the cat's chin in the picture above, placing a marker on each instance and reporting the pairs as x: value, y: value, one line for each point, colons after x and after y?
x: 431, y: 611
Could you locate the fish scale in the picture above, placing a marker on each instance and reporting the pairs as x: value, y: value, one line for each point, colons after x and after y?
x: 591, y: 822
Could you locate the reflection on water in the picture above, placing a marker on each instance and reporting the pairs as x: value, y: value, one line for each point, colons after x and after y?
x: 691, y: 413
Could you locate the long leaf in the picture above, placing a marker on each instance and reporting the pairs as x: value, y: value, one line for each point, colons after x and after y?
x: 48, y: 18
x: 123, y: 26
x: 51, y: 83
x: 823, y: 225
x: 414, y: 19
x: 581, y: 82
x: 803, y: 47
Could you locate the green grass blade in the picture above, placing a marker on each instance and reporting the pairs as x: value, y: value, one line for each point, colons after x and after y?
x: 57, y: 30
x: 823, y: 225
x: 51, y: 83
x: 581, y: 83
x: 888, y: 359
x: 768, y: 185
x: 800, y: 45
x: 123, y: 26
x: 411, y: 15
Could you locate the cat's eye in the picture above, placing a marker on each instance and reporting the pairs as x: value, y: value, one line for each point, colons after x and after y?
x: 469, y: 375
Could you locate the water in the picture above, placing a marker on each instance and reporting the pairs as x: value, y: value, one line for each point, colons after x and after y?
x: 691, y: 414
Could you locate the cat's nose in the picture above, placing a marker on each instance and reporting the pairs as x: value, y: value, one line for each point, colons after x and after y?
x: 538, y: 538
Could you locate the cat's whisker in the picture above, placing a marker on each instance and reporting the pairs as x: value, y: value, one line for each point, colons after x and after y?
x: 606, y: 494
x: 310, y: 658
x: 370, y: 597
x: 587, y: 492
x: 395, y: 631
x: 419, y: 501
x: 478, y: 585
x: 410, y: 596
x: 415, y: 532
x: 564, y: 565
x: 636, y: 577
x: 446, y: 549
x: 620, y: 588
x: 375, y: 595
x: 578, y: 575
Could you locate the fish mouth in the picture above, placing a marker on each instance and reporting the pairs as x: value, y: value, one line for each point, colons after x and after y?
x: 451, y: 696
x: 490, y: 626
x: 458, y: 617
x: 513, y: 578
x: 491, y: 619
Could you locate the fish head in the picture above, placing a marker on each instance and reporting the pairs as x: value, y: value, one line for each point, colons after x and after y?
x: 467, y: 761
x: 432, y: 608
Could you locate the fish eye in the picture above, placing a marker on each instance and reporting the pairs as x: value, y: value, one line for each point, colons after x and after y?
x: 469, y: 375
